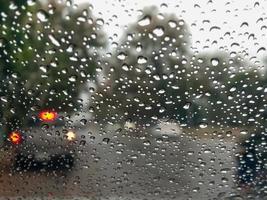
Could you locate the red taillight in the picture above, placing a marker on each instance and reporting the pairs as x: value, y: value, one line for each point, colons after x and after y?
x: 48, y: 115
x: 15, y: 137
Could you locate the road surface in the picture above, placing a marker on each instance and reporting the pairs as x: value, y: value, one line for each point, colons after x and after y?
x: 119, y: 166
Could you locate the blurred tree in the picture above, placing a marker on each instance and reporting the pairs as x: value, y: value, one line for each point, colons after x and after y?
x: 145, y: 78
x: 153, y: 75
x: 246, y: 89
x: 224, y: 90
x: 48, y: 50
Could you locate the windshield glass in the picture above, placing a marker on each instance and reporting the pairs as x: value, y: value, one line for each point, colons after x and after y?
x: 140, y: 100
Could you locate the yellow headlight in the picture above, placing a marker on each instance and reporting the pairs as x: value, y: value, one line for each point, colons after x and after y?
x: 70, y: 135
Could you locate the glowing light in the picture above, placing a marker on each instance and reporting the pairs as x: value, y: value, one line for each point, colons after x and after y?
x: 15, y: 137
x: 48, y: 116
x: 71, y: 135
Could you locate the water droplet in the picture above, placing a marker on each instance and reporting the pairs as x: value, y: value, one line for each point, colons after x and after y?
x: 14, y: 75
x: 203, y: 125
x: 172, y: 24
x: 4, y: 99
x: 162, y: 91
x: 82, y: 142
x: 141, y: 60
x: 225, y: 170
x: 187, y: 106
x: 243, y: 132
x: 121, y: 56
x: 147, y: 143
x: 72, y: 78
x: 83, y: 122
x: 42, y: 16
x: 91, y: 109
x: 139, y: 48
x: 45, y: 126
x: 158, y: 31
x: 215, y: 62
x: 53, y: 40
x: 207, y: 151
x: 156, y: 77
x: 190, y: 153
x: 215, y: 28
x: 31, y: 2
x: 144, y: 21
x: 43, y: 69
x: 148, y: 71
x: 100, y: 22
x: 159, y: 140
x: 196, y: 189
x: 244, y: 24
x: 105, y: 140
x: 125, y: 67
x: 261, y: 50
x: 164, y: 5
x: 232, y: 89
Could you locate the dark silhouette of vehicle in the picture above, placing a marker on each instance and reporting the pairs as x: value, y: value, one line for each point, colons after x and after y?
x: 252, y: 162
x: 44, y: 141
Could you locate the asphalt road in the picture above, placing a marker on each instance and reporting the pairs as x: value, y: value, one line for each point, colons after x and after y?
x: 120, y: 166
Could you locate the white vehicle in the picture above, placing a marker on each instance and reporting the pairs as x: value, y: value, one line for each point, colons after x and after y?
x: 166, y: 130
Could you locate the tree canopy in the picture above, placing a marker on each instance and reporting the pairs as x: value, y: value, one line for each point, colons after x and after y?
x: 48, y: 50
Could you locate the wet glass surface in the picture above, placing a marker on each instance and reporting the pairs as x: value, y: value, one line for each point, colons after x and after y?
x: 137, y: 100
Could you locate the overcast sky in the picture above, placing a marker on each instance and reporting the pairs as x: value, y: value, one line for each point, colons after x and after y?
x: 239, y: 18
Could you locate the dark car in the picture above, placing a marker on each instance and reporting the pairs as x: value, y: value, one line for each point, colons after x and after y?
x: 252, y: 161
x: 45, y: 141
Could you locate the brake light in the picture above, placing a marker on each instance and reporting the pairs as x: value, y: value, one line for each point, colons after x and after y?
x: 48, y: 115
x: 15, y: 137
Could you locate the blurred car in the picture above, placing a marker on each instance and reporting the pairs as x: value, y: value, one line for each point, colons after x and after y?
x: 252, y: 162
x: 166, y: 130
x: 45, y: 141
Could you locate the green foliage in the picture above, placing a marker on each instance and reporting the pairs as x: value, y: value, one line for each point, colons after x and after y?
x: 225, y: 90
x: 48, y: 51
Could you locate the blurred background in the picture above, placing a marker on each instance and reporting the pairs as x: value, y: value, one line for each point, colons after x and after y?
x: 169, y: 98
